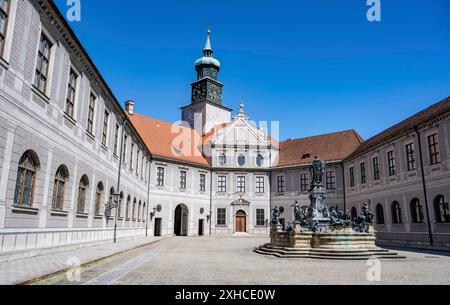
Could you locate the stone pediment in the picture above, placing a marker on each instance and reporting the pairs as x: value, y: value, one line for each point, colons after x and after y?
x: 240, y: 201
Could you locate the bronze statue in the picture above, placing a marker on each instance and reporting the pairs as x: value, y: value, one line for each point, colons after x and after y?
x: 318, y: 170
x: 276, y: 216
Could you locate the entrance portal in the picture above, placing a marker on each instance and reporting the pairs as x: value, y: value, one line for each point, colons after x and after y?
x: 157, y: 230
x: 181, y: 220
x: 200, y: 227
x: 241, y: 222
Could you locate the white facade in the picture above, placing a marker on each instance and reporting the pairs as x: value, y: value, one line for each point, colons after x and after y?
x: 233, y: 192
x: 36, y: 122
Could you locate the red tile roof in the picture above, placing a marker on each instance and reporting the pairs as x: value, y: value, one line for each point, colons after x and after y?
x: 170, y: 141
x: 329, y: 147
x: 415, y: 120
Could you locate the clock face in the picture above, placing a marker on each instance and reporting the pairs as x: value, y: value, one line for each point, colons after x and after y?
x: 199, y: 92
x: 215, y: 93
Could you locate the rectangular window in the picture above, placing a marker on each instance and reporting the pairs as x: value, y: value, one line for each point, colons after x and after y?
x: 116, y: 139
x: 410, y: 156
x: 304, y: 182
x: 376, y: 168
x: 331, y: 180
x: 433, y: 147
x: 4, y: 14
x: 42, y: 64
x: 105, y: 128
x: 260, y: 185
x: 202, y: 182
x: 183, y: 180
x: 137, y: 163
x: 221, y: 217
x: 391, y: 162
x: 241, y: 184
x: 124, y: 153
x: 222, y: 184
x: 142, y: 166
x: 260, y: 217
x: 131, y: 155
x: 363, y: 173
x: 160, y: 176
x: 352, y: 176
x: 91, y: 113
x: 71, y: 90
x: 280, y: 184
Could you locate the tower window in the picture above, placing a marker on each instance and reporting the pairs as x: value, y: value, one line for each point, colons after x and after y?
x: 241, y: 160
x: 259, y: 160
x: 222, y: 159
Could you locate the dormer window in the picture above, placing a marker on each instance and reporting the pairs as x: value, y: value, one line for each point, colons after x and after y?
x: 222, y: 159
x: 306, y: 156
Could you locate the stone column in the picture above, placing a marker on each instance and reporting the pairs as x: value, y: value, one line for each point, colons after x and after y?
x: 93, y: 187
x: 9, y: 143
x: 72, y: 207
x: 43, y: 211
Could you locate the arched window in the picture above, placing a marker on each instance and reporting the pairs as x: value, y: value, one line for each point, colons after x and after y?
x: 416, y: 211
x: 380, y: 214
x: 354, y: 213
x: 127, y: 209
x: 61, y: 178
x: 133, y: 211
x: 98, y: 198
x: 25, y: 181
x: 111, y: 203
x: 139, y: 211
x: 144, y: 212
x: 259, y: 160
x: 119, y: 212
x: 82, y: 190
x: 441, y: 210
x: 396, y: 213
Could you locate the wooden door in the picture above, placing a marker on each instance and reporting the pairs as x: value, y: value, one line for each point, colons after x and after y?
x: 241, y: 225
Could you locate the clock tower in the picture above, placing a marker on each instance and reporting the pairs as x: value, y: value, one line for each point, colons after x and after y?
x: 205, y: 109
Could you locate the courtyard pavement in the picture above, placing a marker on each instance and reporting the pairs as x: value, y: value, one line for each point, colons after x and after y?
x: 231, y: 261
x: 23, y: 270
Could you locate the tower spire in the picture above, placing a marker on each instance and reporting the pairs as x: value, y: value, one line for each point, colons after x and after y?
x: 207, y: 51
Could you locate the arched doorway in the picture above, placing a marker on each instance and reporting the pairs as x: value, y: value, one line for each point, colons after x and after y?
x: 181, y: 220
x: 241, y: 222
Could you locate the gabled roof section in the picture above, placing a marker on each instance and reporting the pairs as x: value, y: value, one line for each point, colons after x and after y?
x: 419, y: 118
x: 329, y: 147
x: 170, y: 141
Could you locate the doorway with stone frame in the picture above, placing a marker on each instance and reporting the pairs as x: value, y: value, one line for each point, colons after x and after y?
x: 181, y: 224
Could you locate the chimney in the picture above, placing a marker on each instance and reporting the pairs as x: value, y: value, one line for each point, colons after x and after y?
x: 129, y: 107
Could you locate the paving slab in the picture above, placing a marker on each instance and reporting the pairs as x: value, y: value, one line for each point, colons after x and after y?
x: 28, y: 269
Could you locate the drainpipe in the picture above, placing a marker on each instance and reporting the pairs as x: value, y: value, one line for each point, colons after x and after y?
x: 430, y: 231
x: 270, y: 181
x: 124, y: 123
x: 148, y: 197
x: 343, y: 185
x: 210, y: 199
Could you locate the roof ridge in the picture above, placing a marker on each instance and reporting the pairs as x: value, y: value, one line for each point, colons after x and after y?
x: 321, y: 135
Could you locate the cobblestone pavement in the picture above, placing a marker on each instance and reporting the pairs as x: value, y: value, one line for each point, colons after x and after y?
x: 191, y: 261
x: 21, y: 270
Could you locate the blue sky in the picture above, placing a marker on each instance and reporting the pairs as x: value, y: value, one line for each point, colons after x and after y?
x: 316, y: 66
